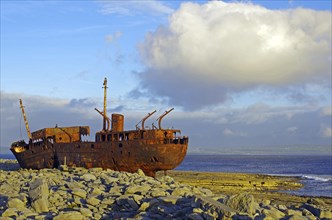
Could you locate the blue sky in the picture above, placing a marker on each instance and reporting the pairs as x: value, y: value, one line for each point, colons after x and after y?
x: 248, y: 75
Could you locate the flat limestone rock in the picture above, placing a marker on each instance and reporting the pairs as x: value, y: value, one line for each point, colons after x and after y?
x: 16, y: 203
x: 71, y: 215
x: 93, y: 201
x: 79, y: 192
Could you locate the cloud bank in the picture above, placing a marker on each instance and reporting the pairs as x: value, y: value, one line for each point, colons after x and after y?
x: 258, y: 125
x: 208, y: 52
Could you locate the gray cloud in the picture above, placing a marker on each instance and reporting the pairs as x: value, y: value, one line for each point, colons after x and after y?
x: 208, y: 52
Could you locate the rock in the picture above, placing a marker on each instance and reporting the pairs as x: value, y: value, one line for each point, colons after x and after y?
x: 170, y: 199
x: 204, y: 202
x: 273, y: 213
x: 144, y: 206
x: 70, y: 215
x: 93, y: 201
x: 195, y: 216
x: 297, y: 217
x: 157, y: 193
x: 39, y: 195
x: 243, y: 203
x: 86, y: 212
x: 316, y: 210
x: 140, y: 189
x: 307, y: 213
x: 316, y: 201
x: 89, y: 177
x: 10, y: 212
x: 181, y: 191
x: 63, y: 167
x: 16, y: 203
x: 282, y: 207
x: 312, y: 208
x: 75, y: 185
x: 293, y: 212
x: 140, y: 172
x: 79, y: 192
x: 325, y: 214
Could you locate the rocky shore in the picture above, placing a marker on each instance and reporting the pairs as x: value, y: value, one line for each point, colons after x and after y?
x: 78, y: 193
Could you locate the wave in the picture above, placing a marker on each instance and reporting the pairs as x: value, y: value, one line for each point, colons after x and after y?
x: 317, y: 178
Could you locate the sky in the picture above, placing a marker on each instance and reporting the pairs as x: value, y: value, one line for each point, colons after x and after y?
x: 244, y: 77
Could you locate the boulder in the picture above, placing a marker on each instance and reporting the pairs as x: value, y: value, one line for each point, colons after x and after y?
x: 38, y: 194
x: 273, y: 213
x: 15, y: 203
x: 243, y: 203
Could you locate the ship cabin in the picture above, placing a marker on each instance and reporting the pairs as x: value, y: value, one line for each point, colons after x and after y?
x: 153, y: 136
x: 60, y: 134
x: 46, y: 136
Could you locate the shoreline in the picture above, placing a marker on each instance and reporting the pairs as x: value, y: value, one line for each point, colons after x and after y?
x: 275, y: 187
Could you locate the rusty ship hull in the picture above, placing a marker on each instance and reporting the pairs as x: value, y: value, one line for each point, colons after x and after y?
x: 150, y: 150
x: 130, y: 157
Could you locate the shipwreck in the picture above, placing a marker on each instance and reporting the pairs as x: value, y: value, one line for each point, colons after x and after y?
x: 149, y: 149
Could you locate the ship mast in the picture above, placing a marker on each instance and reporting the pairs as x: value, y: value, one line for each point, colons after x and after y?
x: 25, y: 120
x: 105, y: 100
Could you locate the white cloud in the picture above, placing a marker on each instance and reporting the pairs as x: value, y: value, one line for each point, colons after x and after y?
x: 210, y: 51
x: 326, y: 131
x: 292, y: 130
x: 228, y: 132
x: 327, y: 111
x: 131, y: 8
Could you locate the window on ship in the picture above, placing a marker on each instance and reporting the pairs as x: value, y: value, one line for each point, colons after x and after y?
x: 109, y: 137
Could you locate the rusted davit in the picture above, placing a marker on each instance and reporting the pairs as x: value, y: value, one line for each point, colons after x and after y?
x: 150, y: 149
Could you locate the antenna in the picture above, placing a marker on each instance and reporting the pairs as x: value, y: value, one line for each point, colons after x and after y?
x: 105, y: 100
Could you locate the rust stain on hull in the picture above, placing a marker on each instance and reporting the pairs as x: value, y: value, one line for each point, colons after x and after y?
x: 151, y: 150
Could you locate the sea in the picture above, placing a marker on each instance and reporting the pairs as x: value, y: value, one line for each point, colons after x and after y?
x: 314, y: 171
